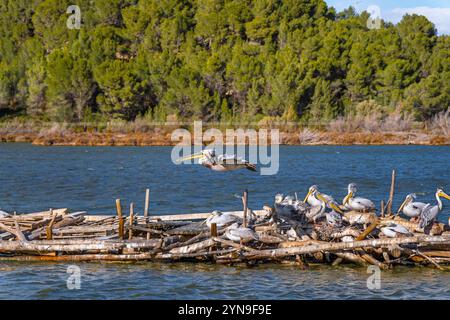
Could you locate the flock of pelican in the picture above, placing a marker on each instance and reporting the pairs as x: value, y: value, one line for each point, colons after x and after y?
x: 315, y: 205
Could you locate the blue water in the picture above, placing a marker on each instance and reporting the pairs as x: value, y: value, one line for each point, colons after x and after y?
x: 91, y: 178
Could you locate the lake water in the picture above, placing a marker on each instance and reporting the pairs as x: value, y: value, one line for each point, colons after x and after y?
x: 91, y: 178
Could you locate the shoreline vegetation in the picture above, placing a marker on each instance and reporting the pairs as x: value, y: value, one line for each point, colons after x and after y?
x: 135, y: 70
x: 394, y: 129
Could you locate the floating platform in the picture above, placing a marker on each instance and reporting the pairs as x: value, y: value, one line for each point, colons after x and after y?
x: 61, y: 235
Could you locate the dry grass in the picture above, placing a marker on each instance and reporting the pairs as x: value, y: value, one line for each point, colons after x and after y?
x: 308, y: 136
x: 441, y: 123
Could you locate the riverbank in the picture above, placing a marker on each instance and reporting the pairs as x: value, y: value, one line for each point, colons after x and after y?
x: 163, y: 138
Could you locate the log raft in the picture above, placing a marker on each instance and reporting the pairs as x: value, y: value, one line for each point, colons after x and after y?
x: 59, y: 235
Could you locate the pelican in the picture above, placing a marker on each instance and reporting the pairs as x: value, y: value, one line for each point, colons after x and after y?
x: 334, y: 218
x: 429, y: 213
x: 223, y: 162
x: 312, y: 199
x: 411, y: 208
x: 357, y: 203
x: 220, y: 219
x: 316, y: 212
x: 237, y: 234
x: 393, y: 230
x: 288, y: 206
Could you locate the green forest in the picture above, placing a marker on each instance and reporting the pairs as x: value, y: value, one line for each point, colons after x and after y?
x: 215, y: 60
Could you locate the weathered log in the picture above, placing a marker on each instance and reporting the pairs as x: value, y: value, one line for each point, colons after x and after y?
x: 193, y: 247
x: 351, y: 257
x: 281, y: 252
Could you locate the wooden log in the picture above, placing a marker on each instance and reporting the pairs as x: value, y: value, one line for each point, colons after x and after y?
x: 391, y: 194
x: 49, y: 228
x: 213, y: 230
x: 147, y: 204
x: 235, y: 245
x: 368, y: 230
x: 330, y: 247
x: 351, y: 257
x: 131, y: 222
x: 193, y: 247
x: 12, y: 231
x: 121, y: 222
x: 81, y: 257
x: 245, y: 205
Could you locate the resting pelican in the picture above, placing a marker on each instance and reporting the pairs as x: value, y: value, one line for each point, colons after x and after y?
x: 288, y: 206
x: 429, y: 213
x: 220, y: 219
x: 357, y: 203
x: 411, y: 208
x: 393, y: 230
x: 237, y: 234
x: 316, y: 212
x: 312, y: 199
x: 334, y: 218
x: 223, y: 162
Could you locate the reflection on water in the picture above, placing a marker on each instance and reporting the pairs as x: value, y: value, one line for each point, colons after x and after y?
x: 91, y: 178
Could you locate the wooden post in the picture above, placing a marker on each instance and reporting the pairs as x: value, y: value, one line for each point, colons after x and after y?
x: 119, y: 214
x: 213, y: 230
x: 147, y: 202
x: 391, y: 194
x: 49, y: 229
x: 245, y: 203
x: 382, y: 208
x: 130, y: 225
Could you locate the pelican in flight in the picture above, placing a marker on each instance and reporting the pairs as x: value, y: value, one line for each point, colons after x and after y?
x: 311, y: 197
x: 429, y: 213
x: 236, y: 233
x: 357, y: 203
x: 410, y: 207
x: 222, y: 162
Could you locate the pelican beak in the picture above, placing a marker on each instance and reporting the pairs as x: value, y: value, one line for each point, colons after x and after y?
x: 401, y: 207
x: 307, y: 195
x: 336, y: 208
x: 347, y: 197
x: 192, y: 156
x: 444, y: 195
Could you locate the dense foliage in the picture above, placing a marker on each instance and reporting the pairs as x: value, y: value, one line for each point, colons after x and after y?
x: 216, y: 60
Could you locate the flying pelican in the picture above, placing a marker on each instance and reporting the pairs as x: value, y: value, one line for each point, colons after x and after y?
x: 393, y: 230
x: 220, y: 219
x: 357, y: 203
x: 237, y: 234
x: 223, y: 162
x: 429, y: 213
x: 411, y: 208
x: 312, y: 199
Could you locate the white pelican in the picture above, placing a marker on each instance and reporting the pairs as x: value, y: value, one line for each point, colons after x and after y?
x: 220, y: 219
x: 223, y: 162
x: 312, y: 199
x: 237, y: 234
x: 393, y: 230
x: 316, y: 212
x: 334, y: 218
x: 429, y: 213
x: 411, y: 208
x: 288, y: 206
x: 357, y: 203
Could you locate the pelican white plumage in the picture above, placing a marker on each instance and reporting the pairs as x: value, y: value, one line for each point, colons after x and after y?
x: 221, y: 219
x: 288, y: 206
x: 357, y: 203
x: 236, y: 233
x: 311, y: 199
x: 410, y: 207
x: 315, y: 212
x: 394, y: 230
x: 429, y: 213
x: 224, y: 162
